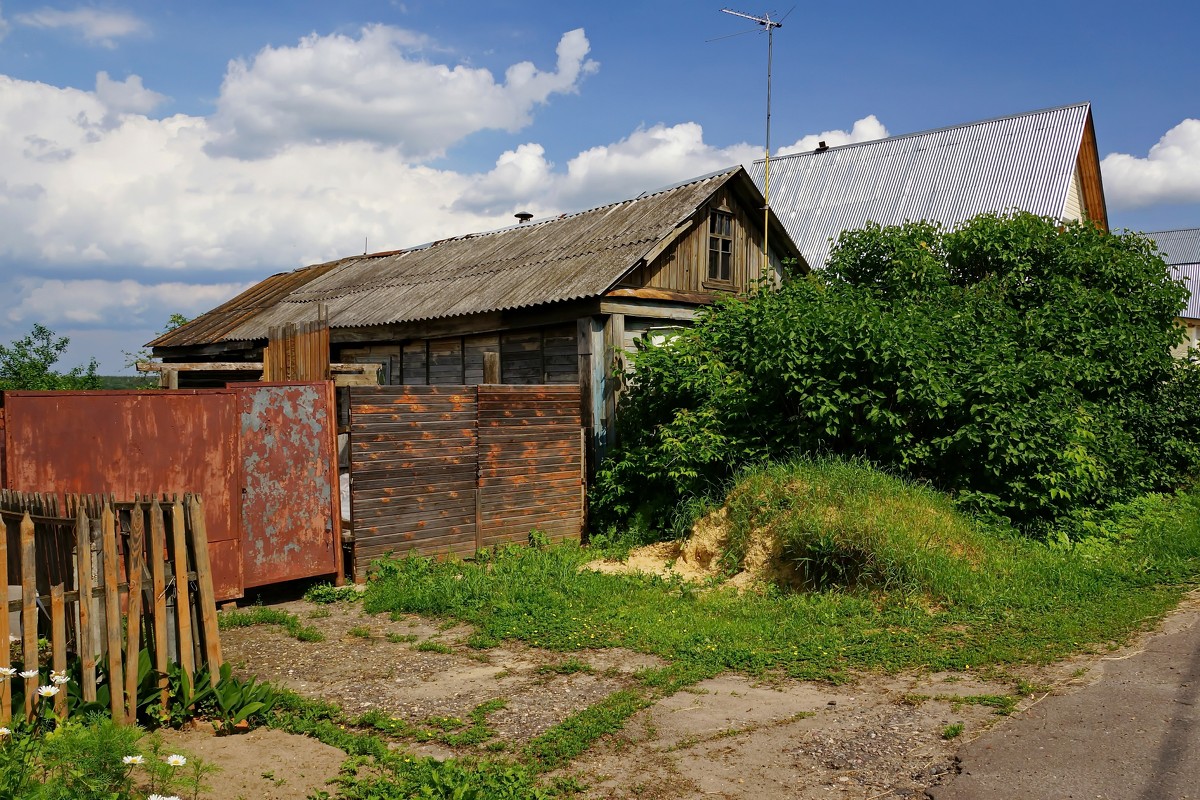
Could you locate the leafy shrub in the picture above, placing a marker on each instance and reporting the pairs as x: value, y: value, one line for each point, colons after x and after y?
x: 1019, y: 363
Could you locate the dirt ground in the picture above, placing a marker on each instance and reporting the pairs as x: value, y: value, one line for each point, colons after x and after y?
x: 730, y: 737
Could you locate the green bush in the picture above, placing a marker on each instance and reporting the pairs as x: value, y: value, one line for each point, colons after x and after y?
x: 1021, y: 364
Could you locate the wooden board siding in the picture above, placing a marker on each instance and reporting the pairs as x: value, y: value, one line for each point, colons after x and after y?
x: 474, y: 348
x: 684, y: 266
x: 443, y: 470
x: 445, y: 362
x: 537, y: 355
x: 413, y: 467
x: 530, y: 463
x: 521, y: 357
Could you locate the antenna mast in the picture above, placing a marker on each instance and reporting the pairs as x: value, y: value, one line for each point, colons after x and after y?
x: 770, y: 25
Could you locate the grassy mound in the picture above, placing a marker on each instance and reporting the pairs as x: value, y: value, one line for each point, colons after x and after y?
x: 844, y: 525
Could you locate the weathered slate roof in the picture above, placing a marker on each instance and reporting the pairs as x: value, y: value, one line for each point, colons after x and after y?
x: 1181, y: 250
x: 946, y: 175
x: 565, y: 258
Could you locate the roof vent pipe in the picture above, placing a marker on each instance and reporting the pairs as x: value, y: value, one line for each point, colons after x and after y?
x: 523, y: 216
x: 821, y: 147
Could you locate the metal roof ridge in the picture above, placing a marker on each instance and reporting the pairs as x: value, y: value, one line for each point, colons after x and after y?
x: 897, y: 137
x: 1171, y: 230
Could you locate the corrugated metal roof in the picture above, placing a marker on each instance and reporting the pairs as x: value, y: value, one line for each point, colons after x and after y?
x: 1181, y: 246
x: 1181, y: 250
x: 1190, y: 275
x: 948, y: 175
x: 564, y: 258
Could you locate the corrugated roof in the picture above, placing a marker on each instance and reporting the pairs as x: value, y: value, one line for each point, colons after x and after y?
x: 947, y: 175
x: 217, y: 324
x: 564, y: 258
x: 1180, y: 246
x: 1181, y: 250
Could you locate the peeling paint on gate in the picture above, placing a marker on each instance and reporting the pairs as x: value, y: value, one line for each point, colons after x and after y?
x: 290, y: 514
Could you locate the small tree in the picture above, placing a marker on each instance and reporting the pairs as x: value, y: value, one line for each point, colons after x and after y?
x: 28, y: 363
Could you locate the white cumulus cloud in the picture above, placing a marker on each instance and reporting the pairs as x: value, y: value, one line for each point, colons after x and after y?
x: 128, y: 302
x: 864, y: 130
x: 127, y: 96
x: 378, y: 88
x: 1170, y: 173
x: 649, y: 158
x: 98, y: 26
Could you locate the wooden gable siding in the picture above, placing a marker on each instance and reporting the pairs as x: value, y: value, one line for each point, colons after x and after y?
x: 683, y: 267
x: 544, y: 355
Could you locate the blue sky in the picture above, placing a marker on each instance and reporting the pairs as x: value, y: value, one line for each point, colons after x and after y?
x: 156, y: 157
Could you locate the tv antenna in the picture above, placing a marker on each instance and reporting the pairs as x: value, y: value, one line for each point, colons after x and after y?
x: 769, y: 25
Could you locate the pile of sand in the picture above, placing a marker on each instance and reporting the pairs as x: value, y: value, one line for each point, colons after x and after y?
x: 697, y: 559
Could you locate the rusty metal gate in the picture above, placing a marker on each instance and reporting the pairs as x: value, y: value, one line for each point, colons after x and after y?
x: 262, y: 456
x: 441, y: 470
x: 290, y: 509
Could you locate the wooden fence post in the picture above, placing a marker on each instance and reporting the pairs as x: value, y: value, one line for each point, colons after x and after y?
x: 135, y: 552
x: 58, y: 645
x: 29, y: 620
x: 87, y: 613
x: 5, y: 644
x: 112, y: 614
x: 158, y: 550
x: 183, y: 607
x: 208, y: 600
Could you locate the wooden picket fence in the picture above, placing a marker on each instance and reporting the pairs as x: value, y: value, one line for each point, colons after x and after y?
x: 100, y: 572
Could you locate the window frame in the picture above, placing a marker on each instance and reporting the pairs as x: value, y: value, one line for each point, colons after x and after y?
x: 720, y: 245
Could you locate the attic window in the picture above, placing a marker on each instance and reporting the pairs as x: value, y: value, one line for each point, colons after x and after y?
x: 720, y: 246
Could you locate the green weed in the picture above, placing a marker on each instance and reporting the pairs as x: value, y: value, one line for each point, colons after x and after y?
x: 261, y: 615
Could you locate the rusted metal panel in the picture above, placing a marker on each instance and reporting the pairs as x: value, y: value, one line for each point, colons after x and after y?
x: 135, y: 442
x: 290, y: 507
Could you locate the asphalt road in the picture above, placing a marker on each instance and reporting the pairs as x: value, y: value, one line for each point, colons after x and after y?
x: 1134, y: 734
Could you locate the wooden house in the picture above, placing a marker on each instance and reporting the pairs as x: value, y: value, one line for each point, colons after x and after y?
x: 553, y: 301
x: 1044, y: 162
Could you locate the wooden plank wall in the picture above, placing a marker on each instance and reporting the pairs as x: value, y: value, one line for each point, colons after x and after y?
x: 297, y: 352
x: 528, y: 356
x: 413, y: 469
x: 448, y: 470
x: 530, y: 463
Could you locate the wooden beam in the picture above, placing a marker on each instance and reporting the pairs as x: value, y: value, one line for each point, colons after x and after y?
x: 652, y: 312
x: 240, y: 366
x: 1088, y: 164
x: 667, y: 295
x: 200, y: 366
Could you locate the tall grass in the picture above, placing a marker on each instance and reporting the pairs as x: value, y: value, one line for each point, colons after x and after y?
x: 925, y: 586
